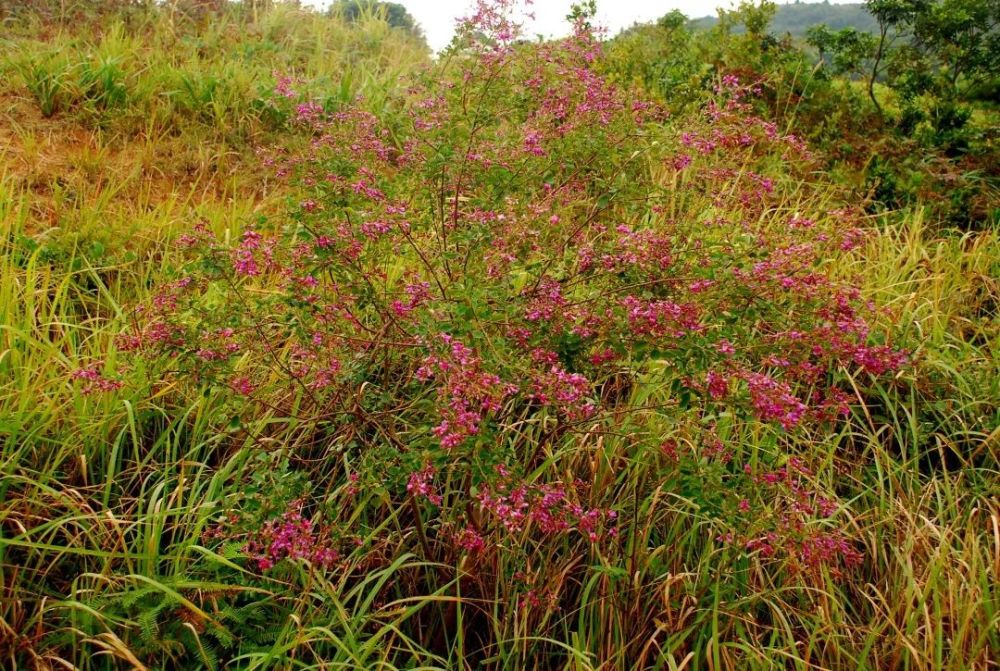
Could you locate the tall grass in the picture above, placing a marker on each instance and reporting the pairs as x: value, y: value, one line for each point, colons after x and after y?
x: 106, y: 500
x: 133, y: 72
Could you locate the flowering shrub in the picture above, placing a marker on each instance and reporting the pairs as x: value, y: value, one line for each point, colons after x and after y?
x: 290, y: 536
x: 515, y: 258
x: 790, y: 529
x: 93, y: 380
x: 517, y: 505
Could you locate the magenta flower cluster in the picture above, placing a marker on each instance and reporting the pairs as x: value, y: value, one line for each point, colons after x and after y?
x: 548, y: 508
x: 291, y: 536
x: 94, y: 380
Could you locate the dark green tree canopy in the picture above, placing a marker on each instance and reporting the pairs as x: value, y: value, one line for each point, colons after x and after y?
x: 395, y: 14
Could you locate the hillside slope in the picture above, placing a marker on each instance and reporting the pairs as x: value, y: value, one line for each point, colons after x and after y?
x: 796, y: 18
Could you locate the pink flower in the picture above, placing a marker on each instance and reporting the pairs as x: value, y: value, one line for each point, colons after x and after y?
x: 94, y: 380
x: 466, y: 392
x: 242, y: 385
x: 774, y: 400
x: 291, y: 536
x: 718, y: 385
x: 420, y: 484
x: 469, y: 540
x: 283, y: 86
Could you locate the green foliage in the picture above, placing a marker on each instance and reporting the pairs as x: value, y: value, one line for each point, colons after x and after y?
x: 848, y: 49
x: 48, y: 81
x: 125, y: 78
x: 584, y: 11
x: 662, y: 59
x: 125, y: 515
x: 924, y: 75
x: 394, y: 13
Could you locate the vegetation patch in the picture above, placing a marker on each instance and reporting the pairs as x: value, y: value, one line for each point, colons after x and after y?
x: 633, y: 353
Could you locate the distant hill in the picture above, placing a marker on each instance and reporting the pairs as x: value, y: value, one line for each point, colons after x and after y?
x: 798, y: 17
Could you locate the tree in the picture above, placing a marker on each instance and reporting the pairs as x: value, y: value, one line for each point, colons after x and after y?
x: 395, y: 14
x: 894, y: 18
x: 848, y: 50
x: 961, y: 38
x: 757, y: 17
x: 952, y: 47
x: 674, y: 20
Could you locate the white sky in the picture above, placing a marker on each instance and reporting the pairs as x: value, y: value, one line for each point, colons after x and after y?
x: 437, y: 17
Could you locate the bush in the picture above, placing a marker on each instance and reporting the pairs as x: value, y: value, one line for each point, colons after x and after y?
x: 493, y: 297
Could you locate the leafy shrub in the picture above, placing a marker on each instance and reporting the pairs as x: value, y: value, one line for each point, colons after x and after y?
x: 514, y: 262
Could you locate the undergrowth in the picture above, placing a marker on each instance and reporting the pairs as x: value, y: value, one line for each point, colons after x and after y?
x: 480, y: 362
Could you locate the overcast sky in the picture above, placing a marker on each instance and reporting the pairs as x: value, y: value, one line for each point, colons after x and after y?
x: 437, y: 17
